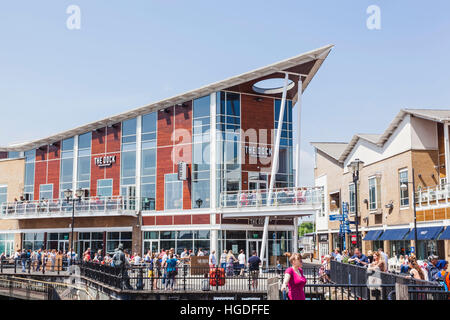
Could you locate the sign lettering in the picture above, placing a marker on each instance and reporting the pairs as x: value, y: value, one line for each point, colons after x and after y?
x: 105, y: 161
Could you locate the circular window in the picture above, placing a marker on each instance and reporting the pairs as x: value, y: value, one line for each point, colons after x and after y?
x: 272, y: 86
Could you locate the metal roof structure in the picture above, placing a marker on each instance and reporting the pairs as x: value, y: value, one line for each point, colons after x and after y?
x: 293, y: 66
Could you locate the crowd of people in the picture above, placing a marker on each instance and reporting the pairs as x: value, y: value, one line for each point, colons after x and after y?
x: 432, y: 269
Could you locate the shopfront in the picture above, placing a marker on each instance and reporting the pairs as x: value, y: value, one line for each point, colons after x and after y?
x: 427, y: 242
x: 398, y: 244
x: 323, y: 244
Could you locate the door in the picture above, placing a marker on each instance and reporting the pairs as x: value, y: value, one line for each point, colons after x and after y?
x: 63, y: 245
x: 255, y: 245
x: 9, y: 249
x: 152, y: 245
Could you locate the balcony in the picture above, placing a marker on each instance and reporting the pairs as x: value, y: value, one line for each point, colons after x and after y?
x: 60, y: 208
x: 433, y: 203
x: 285, y: 201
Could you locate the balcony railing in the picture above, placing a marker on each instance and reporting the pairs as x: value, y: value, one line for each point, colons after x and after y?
x: 283, y: 197
x: 58, y: 207
x: 433, y: 196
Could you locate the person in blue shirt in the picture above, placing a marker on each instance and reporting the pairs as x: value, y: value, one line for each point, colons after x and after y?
x: 359, y: 258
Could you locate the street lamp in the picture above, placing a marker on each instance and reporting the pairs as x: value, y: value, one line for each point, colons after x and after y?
x: 404, y: 187
x: 68, y: 194
x: 354, y: 167
x: 199, y: 202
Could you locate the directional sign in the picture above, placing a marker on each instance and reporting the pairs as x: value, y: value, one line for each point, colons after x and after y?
x: 345, y: 207
x: 336, y: 217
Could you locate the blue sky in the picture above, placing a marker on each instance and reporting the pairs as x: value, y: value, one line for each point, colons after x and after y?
x: 128, y: 54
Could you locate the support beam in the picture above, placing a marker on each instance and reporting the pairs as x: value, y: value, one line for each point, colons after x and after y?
x: 299, y: 130
x: 274, y: 168
x: 447, y: 152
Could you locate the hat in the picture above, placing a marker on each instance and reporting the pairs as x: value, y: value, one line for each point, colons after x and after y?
x: 433, y: 257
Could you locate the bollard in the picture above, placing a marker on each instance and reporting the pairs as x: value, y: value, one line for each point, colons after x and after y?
x: 184, y: 276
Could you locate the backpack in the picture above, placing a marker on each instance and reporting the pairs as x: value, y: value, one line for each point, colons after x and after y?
x: 442, y: 278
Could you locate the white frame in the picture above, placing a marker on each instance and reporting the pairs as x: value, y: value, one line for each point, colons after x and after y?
x: 112, y: 186
x: 374, y: 178
x: 40, y: 191
x: 407, y: 184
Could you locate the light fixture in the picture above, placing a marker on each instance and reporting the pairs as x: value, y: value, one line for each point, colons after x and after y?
x: 199, y: 202
x: 333, y: 202
x: 68, y: 194
x: 403, y: 187
x: 355, y: 166
x: 80, y: 193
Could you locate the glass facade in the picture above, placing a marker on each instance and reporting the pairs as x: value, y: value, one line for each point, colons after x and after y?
x: 201, y: 153
x: 86, y: 240
x: 66, y: 174
x: 285, y: 175
x: 228, y: 125
x: 179, y: 240
x: 148, y: 162
x: 33, y: 241
x: 114, y: 238
x: 30, y: 160
x: 84, y: 161
x: 173, y: 192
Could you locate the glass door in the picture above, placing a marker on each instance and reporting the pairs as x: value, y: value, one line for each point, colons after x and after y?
x: 152, y: 245
x: 255, y: 245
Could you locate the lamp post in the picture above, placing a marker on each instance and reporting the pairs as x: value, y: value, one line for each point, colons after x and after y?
x: 355, y: 166
x: 404, y: 187
x: 68, y: 194
x: 199, y: 202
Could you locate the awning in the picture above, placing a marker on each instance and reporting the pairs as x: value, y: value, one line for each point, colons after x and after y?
x: 429, y: 233
x: 394, y: 234
x: 373, y: 235
x: 445, y: 235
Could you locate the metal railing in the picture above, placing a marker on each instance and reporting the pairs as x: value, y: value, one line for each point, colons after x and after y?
x: 312, y: 196
x: 186, y: 278
x: 56, y: 207
x: 17, y: 266
x: 433, y: 195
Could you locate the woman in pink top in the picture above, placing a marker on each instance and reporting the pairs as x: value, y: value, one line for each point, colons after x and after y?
x: 294, y: 278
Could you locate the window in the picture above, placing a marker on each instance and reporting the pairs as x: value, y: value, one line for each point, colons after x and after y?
x: 372, y: 194
x: 84, y: 160
x: 128, y: 169
x: 46, y: 191
x: 148, y: 161
x: 14, y: 154
x: 173, y: 194
x: 66, y: 175
x: 113, y: 239
x: 200, y: 154
x: 285, y: 176
x: 33, y: 241
x: 30, y: 158
x: 404, y: 194
x: 7, y: 244
x: 105, y: 188
x: 351, y: 193
x: 3, y: 194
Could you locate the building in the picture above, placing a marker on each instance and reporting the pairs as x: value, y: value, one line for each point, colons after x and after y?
x: 416, y: 139
x: 192, y: 171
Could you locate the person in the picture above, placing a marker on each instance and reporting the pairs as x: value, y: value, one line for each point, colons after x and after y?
x: 121, y: 262
x: 253, y: 268
x: 385, y: 257
x: 370, y: 256
x: 171, y: 269
x: 100, y: 255
x: 325, y: 269
x: 241, y: 258
x: 378, y: 262
x: 337, y: 255
x: 212, y: 259
x: 230, y: 263
x: 445, y: 275
x: 184, y: 255
x: 416, y: 271
x: 279, y: 267
x: 136, y: 259
x: 345, y: 256
x: 359, y: 258
x: 294, y: 279
x: 433, y: 271
x: 53, y: 259
x: 23, y: 258
x: 223, y: 259
x: 156, y: 270
x: 200, y: 253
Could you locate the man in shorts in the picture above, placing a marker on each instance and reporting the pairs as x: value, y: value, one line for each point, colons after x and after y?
x: 253, y: 268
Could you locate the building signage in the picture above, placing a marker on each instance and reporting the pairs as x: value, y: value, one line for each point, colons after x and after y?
x: 262, y: 152
x: 105, y: 161
x: 182, y: 171
x: 323, y: 237
x: 257, y: 222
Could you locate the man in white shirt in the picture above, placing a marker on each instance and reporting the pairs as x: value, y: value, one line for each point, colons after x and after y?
x: 241, y: 259
x: 385, y: 257
x: 200, y: 253
x: 212, y: 259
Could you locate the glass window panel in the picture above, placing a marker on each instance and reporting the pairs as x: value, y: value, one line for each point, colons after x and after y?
x: 29, y: 174
x: 66, y: 170
x: 128, y: 164
x: 149, y: 136
x: 68, y: 144
x: 84, y: 168
x: 201, y: 194
x: 173, y: 192
x: 185, y: 235
x: 129, y: 147
x: 129, y: 127
x: 84, y: 141
x: 129, y: 139
x: 149, y: 122
x: 202, y: 234
x: 148, y: 162
x: 233, y: 104
x: 148, y: 145
x: 151, y: 235
x: 202, y: 107
x: 148, y: 179
x: 167, y: 235
x: 30, y: 156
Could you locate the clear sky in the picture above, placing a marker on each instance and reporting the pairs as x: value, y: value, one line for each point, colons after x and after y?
x: 131, y: 53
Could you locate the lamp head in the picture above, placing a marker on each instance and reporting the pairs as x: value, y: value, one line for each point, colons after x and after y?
x: 68, y: 194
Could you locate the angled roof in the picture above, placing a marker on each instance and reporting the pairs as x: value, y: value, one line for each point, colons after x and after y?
x: 333, y: 149
x: 438, y: 115
x: 304, y: 65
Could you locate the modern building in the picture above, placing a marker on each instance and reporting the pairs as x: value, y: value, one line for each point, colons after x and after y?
x: 415, y: 140
x: 191, y: 171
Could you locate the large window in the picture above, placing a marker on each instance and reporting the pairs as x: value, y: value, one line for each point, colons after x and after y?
x: 84, y: 160
x: 7, y: 244
x: 372, y: 193
x: 148, y: 163
x: 404, y: 193
x: 179, y: 240
x: 128, y: 160
x: 93, y: 240
x: 46, y: 191
x: 200, y: 154
x: 33, y: 241
x: 285, y: 175
x: 173, y: 192
x: 3, y: 194
x: 104, y: 188
x: 30, y: 158
x: 228, y: 142
x: 67, y: 156
x: 351, y: 192
x: 114, y: 238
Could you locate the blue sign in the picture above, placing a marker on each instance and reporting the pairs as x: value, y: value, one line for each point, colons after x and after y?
x: 345, y: 207
x: 336, y: 217
x: 413, y: 250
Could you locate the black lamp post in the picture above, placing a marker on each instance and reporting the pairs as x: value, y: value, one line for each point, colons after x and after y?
x: 199, y: 202
x: 404, y: 187
x: 355, y: 166
x: 68, y: 194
